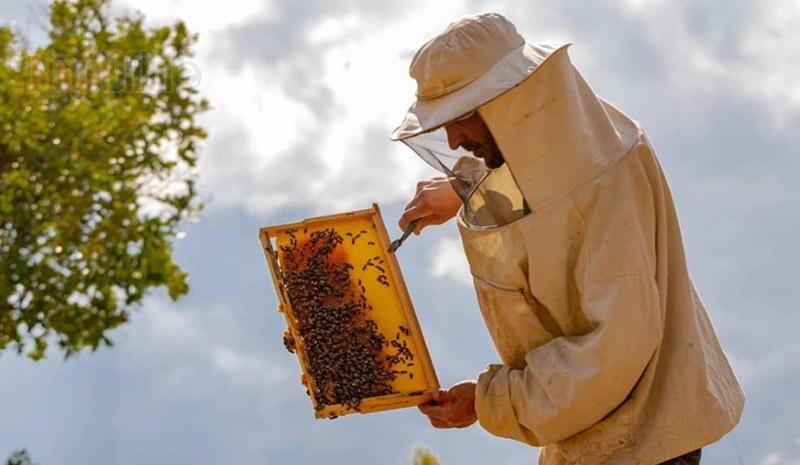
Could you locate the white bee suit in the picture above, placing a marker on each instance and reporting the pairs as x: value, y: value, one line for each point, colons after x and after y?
x: 608, y: 355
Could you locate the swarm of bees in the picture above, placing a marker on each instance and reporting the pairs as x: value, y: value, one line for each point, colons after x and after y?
x: 349, y: 359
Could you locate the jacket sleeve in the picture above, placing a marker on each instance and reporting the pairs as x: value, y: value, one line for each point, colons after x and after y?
x: 571, y: 382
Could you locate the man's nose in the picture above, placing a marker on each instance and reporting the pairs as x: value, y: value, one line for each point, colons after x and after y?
x: 454, y: 136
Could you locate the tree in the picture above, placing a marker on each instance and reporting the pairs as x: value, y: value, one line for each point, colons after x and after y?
x: 20, y: 457
x: 97, y: 147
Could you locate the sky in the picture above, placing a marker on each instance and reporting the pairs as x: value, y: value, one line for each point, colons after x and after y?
x: 304, y: 95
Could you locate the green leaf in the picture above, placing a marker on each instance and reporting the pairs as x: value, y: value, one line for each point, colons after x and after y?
x: 83, y: 123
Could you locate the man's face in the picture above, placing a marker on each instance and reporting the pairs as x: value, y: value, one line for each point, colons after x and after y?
x: 472, y: 135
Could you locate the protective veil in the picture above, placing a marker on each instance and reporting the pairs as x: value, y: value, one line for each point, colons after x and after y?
x: 608, y: 355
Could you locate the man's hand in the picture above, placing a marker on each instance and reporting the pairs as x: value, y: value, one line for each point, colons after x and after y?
x: 453, y: 407
x: 435, y: 202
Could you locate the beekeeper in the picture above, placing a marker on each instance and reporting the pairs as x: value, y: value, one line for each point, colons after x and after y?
x: 570, y: 231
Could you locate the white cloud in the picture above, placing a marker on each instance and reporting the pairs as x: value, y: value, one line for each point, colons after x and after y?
x: 770, y: 61
x: 196, y: 17
x: 269, y: 149
x: 748, y: 190
x: 161, y: 324
x: 191, y: 351
x: 761, y: 369
x: 640, y: 7
x: 247, y: 369
x: 449, y: 262
x: 771, y: 459
x: 253, y: 126
x: 761, y: 63
x: 332, y: 28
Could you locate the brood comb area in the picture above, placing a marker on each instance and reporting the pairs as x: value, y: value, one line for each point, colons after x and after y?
x: 347, y: 355
x: 351, y: 322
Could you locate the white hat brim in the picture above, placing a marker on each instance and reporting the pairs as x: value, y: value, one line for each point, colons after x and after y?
x: 515, y: 67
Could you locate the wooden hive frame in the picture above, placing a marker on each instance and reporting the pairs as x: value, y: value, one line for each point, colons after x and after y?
x: 426, y: 387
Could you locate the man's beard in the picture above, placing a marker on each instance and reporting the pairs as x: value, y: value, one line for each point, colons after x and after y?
x: 494, y: 159
x: 490, y: 154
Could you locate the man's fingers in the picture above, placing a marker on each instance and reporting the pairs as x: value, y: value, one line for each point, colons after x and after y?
x: 427, y: 182
x: 452, y: 407
x: 415, y: 210
x: 443, y: 396
x: 435, y: 415
x: 434, y: 410
x: 435, y: 202
x: 407, y: 218
x: 423, y: 222
x: 423, y: 408
x: 423, y: 184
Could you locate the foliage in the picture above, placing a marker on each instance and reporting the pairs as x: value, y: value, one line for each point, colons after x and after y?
x: 421, y: 455
x: 20, y: 457
x: 97, y: 149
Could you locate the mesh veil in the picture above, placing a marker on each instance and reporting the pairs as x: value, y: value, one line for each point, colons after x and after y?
x: 490, y: 197
x: 463, y: 169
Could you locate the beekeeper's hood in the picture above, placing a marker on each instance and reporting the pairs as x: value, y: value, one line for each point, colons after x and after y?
x: 553, y: 131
